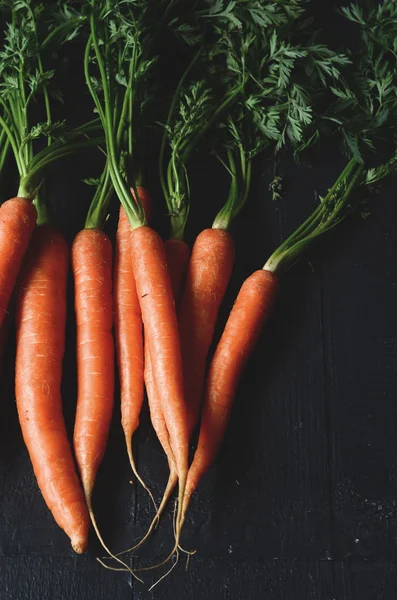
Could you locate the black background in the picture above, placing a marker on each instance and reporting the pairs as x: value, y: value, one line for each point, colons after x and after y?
x: 301, y: 503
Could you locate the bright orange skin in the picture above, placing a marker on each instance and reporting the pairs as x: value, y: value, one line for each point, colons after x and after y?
x: 161, y: 334
x: 40, y: 331
x: 17, y: 222
x: 128, y: 323
x: 156, y: 412
x: 92, y: 271
x: 177, y: 254
x: 128, y: 330
x: 247, y: 317
x: 207, y: 278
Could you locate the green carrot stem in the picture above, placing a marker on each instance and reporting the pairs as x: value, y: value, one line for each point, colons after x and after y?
x: 333, y: 209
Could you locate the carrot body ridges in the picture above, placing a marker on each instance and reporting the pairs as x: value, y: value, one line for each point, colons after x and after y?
x: 177, y: 255
x: 161, y: 334
x: 249, y: 313
x: 40, y: 330
x: 92, y: 270
x: 207, y: 278
x: 128, y: 330
x: 17, y: 222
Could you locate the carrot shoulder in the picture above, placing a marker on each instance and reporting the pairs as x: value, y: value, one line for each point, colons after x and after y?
x: 17, y: 222
x: 248, y: 315
x: 40, y: 330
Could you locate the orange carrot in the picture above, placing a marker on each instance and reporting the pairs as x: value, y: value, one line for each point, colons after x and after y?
x: 160, y: 427
x: 248, y: 315
x: 207, y: 278
x: 177, y: 254
x: 92, y: 270
x: 17, y: 222
x: 129, y: 331
x: 40, y: 322
x: 161, y: 334
x: 128, y: 334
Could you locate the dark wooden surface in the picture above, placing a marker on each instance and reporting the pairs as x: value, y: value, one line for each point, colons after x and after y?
x: 301, y: 503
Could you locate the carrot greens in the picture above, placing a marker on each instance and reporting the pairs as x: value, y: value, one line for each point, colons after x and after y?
x: 209, y: 87
x: 118, y: 64
x: 32, y: 31
x: 287, y: 72
x: 365, y: 115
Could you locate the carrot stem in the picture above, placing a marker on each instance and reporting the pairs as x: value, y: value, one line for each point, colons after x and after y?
x: 333, y: 209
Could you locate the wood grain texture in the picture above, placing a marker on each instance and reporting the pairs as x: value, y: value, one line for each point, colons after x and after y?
x: 360, y: 349
x: 59, y: 578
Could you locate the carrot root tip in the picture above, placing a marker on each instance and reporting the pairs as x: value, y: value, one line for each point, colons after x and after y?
x: 79, y: 545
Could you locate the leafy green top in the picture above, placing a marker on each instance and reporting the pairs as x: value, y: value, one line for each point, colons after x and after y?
x: 33, y: 28
x: 338, y: 203
x: 213, y: 81
x: 287, y: 72
x: 365, y: 107
x: 365, y: 113
x: 119, y: 62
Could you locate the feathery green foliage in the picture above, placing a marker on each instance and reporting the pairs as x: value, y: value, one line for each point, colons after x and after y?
x: 286, y: 72
x: 365, y: 107
x: 32, y: 29
x: 119, y: 64
x: 365, y: 114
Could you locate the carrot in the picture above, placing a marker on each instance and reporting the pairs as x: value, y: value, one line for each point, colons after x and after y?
x: 177, y: 255
x: 161, y: 330
x: 17, y: 222
x: 128, y: 331
x: 160, y: 427
x: 40, y: 330
x: 250, y: 311
x: 92, y: 271
x: 128, y: 334
x: 124, y: 146
x: 207, y: 278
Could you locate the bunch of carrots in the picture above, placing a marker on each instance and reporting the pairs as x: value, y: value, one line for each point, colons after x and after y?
x: 256, y: 79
